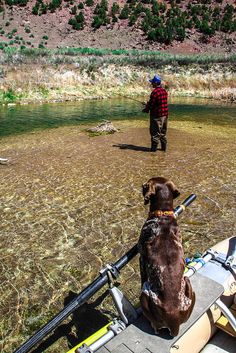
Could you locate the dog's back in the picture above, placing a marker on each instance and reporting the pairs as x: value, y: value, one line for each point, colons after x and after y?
x: 167, y: 298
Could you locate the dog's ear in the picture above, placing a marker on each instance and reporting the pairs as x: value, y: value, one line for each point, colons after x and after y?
x: 148, y: 191
x: 173, y: 188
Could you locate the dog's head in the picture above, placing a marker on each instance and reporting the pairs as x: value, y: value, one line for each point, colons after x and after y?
x: 159, y: 188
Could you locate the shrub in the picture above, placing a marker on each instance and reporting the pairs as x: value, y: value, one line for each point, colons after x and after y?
x: 228, y: 23
x: 216, y: 12
x: 157, y: 34
x: 155, y: 8
x: 72, y: 21
x: 215, y: 25
x: 196, y: 22
x: 54, y: 4
x: 78, y: 26
x: 89, y: 2
x: 205, y: 28
x: 180, y: 34
x: 115, y: 9
x: 114, y: 19
x: 162, y: 7
x: 101, y: 12
x: 124, y: 12
x: 189, y: 24
x: 44, y: 8
x: 97, y: 22
x: 35, y: 10
x: 16, y: 2
x: 9, y: 96
x: 80, y: 18
x: 139, y: 8
x: 145, y: 25
x: 132, y: 19
x: 104, y: 4
x: 45, y: 37
x: 77, y: 22
x: 27, y: 30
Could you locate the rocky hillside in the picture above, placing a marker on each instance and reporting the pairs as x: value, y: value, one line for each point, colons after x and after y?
x: 175, y: 26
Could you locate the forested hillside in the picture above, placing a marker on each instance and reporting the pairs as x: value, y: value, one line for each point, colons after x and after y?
x: 177, y: 26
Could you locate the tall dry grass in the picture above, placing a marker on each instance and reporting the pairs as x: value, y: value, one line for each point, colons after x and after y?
x: 92, y: 79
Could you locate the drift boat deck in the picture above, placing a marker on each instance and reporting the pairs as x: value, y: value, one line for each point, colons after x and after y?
x: 139, y: 337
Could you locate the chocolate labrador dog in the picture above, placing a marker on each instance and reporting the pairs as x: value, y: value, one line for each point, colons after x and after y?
x: 167, y: 298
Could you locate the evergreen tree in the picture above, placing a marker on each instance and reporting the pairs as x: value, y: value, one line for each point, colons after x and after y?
x: 115, y: 8
x: 97, y: 22
x: 124, y: 13
x: 132, y: 19
x: 89, y: 2
x: 155, y: 7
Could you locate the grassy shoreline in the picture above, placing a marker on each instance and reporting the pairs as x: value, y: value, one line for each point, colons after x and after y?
x: 38, y: 76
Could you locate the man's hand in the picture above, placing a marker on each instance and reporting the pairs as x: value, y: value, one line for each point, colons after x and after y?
x: 145, y: 109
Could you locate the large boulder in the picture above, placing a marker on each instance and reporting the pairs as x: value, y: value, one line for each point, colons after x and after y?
x: 105, y: 126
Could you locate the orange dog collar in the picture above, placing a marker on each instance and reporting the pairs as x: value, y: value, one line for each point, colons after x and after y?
x: 160, y: 213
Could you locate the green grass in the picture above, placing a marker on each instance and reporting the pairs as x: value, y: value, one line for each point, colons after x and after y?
x: 8, y: 96
x: 117, y: 56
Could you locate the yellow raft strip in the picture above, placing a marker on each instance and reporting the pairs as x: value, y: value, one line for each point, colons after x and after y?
x: 93, y: 338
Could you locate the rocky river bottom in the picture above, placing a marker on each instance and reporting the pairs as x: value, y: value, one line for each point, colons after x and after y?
x: 71, y: 203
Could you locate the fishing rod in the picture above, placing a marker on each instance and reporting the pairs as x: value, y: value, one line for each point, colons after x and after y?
x: 133, y: 99
x: 91, y: 289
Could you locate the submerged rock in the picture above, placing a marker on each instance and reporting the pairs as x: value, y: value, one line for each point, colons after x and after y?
x: 106, y: 126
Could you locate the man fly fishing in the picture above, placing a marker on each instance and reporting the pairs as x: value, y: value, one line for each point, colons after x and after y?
x: 157, y: 106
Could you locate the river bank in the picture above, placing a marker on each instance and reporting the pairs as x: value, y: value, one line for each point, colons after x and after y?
x: 60, y: 78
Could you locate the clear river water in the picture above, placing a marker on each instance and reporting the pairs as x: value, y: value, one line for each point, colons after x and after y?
x: 71, y: 203
x: 15, y: 119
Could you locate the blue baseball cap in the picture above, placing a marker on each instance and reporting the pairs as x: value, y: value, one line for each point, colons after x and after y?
x: 156, y: 79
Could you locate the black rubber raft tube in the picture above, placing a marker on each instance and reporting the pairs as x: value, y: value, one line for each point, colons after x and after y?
x: 89, y: 291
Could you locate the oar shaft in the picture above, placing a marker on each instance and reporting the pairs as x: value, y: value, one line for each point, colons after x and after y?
x: 179, y: 209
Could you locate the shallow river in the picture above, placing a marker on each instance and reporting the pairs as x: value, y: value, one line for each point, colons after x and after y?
x: 71, y: 203
x: 15, y: 119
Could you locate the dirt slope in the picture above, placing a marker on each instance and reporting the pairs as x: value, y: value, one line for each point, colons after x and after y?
x: 20, y: 27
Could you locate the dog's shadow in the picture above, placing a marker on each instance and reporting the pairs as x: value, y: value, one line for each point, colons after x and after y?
x: 124, y: 146
x: 86, y: 320
x: 144, y: 325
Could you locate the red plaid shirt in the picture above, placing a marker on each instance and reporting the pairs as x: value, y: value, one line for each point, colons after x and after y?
x: 157, y: 104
